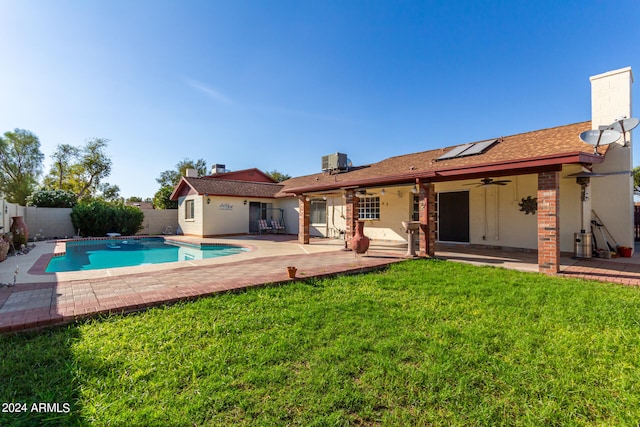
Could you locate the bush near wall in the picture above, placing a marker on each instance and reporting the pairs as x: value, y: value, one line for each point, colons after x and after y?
x: 52, y: 199
x: 97, y: 218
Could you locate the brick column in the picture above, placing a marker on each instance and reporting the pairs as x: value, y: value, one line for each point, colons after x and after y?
x: 352, y: 214
x: 304, y: 219
x: 549, y: 222
x: 427, y: 219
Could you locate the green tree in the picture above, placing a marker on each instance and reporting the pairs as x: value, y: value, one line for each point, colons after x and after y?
x: 278, y: 176
x: 134, y: 199
x: 94, y: 166
x: 20, y: 165
x: 162, y: 200
x: 172, y: 177
x: 62, y: 158
x: 110, y: 193
x: 636, y: 180
x: 82, y: 170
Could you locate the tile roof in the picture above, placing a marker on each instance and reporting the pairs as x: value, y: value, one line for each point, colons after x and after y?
x: 542, y: 146
x: 225, y: 187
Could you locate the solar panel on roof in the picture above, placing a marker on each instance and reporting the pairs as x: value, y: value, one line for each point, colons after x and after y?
x: 454, y: 152
x: 479, y: 147
x: 468, y: 149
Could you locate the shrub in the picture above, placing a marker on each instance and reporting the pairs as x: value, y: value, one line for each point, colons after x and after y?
x: 97, y: 218
x: 52, y: 199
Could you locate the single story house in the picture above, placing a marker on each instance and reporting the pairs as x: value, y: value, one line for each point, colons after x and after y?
x: 517, y: 191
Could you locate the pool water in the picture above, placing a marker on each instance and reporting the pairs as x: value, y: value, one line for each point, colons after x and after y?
x: 98, y: 254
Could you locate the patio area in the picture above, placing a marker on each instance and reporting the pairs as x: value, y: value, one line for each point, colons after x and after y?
x: 43, y: 299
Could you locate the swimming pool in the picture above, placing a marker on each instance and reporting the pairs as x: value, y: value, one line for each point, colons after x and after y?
x: 98, y: 254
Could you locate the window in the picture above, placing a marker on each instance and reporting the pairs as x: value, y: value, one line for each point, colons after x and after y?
x: 318, y: 212
x: 415, y: 216
x: 189, y: 209
x: 369, y: 208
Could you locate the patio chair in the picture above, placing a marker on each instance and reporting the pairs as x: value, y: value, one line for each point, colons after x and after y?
x: 277, y: 227
x: 263, y: 226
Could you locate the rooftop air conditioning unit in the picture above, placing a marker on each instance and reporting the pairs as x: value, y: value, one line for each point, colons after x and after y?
x: 336, y: 161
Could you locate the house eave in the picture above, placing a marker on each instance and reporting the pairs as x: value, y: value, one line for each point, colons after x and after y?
x: 512, y: 167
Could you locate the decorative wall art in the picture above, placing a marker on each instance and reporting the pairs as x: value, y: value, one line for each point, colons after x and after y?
x: 529, y: 205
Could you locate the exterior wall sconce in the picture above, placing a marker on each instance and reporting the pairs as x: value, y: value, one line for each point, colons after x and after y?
x: 208, y: 198
x: 244, y: 203
x: 414, y: 190
x: 382, y: 193
x: 324, y: 197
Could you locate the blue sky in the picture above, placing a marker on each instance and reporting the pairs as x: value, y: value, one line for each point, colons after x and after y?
x: 278, y: 84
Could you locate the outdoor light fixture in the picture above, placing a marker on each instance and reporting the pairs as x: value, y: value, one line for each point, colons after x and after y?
x: 208, y: 198
x: 245, y: 202
x: 382, y: 192
x: 324, y: 197
x: 414, y: 190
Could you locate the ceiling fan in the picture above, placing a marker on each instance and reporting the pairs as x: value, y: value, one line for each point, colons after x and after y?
x: 485, y: 182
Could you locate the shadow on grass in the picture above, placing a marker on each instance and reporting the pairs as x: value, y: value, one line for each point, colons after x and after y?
x: 38, y: 385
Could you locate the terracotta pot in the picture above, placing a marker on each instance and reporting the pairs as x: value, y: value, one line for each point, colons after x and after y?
x: 292, y: 272
x: 359, y: 242
x: 18, y: 226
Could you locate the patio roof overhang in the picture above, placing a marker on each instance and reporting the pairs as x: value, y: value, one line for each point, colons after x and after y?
x: 513, y: 167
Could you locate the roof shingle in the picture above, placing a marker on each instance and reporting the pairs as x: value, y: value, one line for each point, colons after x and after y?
x: 540, y: 144
x: 224, y: 187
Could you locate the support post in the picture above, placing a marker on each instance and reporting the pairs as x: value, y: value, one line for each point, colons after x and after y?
x: 549, y: 222
x: 427, y: 200
x: 304, y: 219
x: 352, y: 214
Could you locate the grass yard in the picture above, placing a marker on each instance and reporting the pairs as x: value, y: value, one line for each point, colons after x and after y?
x: 423, y: 343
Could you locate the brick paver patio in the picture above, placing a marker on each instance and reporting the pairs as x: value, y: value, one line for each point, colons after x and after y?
x: 34, y: 305
x: 47, y: 303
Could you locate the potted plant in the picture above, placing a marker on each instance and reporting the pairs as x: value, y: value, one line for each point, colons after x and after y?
x: 291, y: 270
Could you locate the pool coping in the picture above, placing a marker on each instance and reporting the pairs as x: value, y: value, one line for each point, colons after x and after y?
x: 38, y: 268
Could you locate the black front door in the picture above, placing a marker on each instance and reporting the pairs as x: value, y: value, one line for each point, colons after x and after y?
x: 453, y: 216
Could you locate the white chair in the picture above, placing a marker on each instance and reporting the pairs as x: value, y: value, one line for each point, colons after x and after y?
x: 277, y: 227
x: 263, y: 226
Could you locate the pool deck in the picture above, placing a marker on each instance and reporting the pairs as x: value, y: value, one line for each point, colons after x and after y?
x: 45, y: 299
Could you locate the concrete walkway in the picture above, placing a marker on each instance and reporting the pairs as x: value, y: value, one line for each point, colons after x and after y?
x: 42, y: 299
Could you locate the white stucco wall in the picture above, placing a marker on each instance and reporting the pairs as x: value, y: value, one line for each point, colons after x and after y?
x: 226, y: 215
x: 500, y: 224
x: 395, y: 206
x: 190, y: 227
x: 291, y: 213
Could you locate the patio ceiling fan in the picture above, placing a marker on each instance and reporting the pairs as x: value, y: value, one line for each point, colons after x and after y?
x: 485, y: 182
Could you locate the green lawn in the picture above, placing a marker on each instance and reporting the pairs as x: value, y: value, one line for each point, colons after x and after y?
x: 423, y: 343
